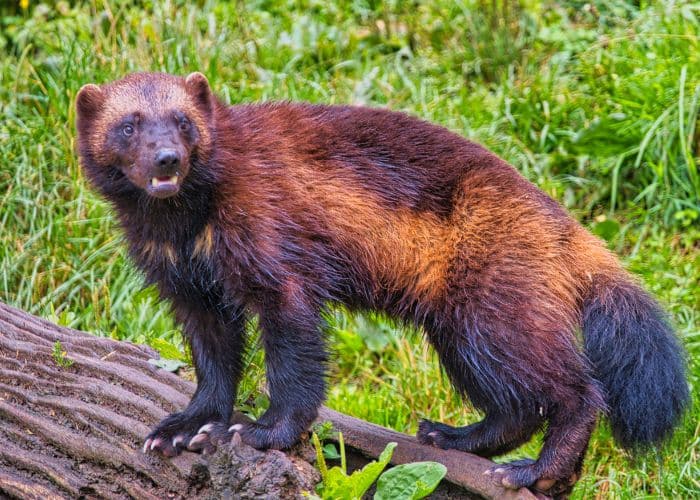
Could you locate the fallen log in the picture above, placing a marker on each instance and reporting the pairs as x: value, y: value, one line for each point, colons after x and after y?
x: 72, y: 426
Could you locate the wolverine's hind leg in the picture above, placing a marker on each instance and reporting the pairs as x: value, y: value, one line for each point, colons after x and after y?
x: 494, y: 435
x: 520, y: 377
x: 561, y: 458
x: 486, y: 375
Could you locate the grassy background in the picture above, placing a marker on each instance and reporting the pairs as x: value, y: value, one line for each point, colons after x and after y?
x: 596, y: 102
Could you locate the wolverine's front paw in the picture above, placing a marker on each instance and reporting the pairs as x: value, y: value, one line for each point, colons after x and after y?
x: 271, y: 430
x: 252, y: 433
x: 263, y: 437
x: 181, y: 431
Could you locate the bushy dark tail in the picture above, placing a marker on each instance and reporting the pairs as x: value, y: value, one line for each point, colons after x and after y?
x: 637, y: 358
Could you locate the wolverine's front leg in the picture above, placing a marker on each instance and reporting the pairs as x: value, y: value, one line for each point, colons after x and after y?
x: 295, y: 359
x: 217, y: 342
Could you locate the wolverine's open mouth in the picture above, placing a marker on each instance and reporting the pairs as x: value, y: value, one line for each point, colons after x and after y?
x: 162, y: 187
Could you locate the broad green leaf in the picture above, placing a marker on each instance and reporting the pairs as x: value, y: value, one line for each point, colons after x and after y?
x: 607, y: 229
x: 171, y: 365
x: 337, y: 485
x: 410, y: 481
x: 166, y: 349
x: 362, y: 479
x: 330, y: 452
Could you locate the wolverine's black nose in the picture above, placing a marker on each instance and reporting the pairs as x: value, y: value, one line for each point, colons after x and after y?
x: 167, y: 159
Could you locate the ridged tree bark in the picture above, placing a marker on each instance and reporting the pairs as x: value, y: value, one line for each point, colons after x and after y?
x: 73, y: 425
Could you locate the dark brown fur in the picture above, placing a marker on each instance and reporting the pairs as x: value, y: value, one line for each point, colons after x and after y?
x: 289, y: 207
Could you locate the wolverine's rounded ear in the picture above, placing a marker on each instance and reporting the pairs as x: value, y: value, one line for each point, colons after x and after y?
x: 89, y: 100
x: 197, y: 86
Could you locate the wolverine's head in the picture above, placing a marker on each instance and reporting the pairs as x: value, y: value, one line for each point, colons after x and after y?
x: 147, y: 128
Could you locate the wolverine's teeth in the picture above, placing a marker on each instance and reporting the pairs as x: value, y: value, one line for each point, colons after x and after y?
x: 158, y: 181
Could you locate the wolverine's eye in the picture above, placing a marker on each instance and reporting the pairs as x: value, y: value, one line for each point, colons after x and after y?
x: 184, y: 125
x: 128, y: 130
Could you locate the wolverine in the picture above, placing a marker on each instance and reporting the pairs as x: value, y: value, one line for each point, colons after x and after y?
x: 281, y: 210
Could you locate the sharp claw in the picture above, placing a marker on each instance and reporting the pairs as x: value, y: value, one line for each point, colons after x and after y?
x: 236, y: 439
x: 235, y: 427
x: 146, y: 445
x: 199, y: 438
x: 205, y: 428
x: 156, y: 442
x: 177, y: 440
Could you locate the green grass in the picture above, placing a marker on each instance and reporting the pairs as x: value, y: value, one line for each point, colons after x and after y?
x: 595, y: 102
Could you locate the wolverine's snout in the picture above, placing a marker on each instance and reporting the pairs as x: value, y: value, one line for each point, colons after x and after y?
x: 163, y: 159
x: 168, y: 160
x: 166, y: 177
